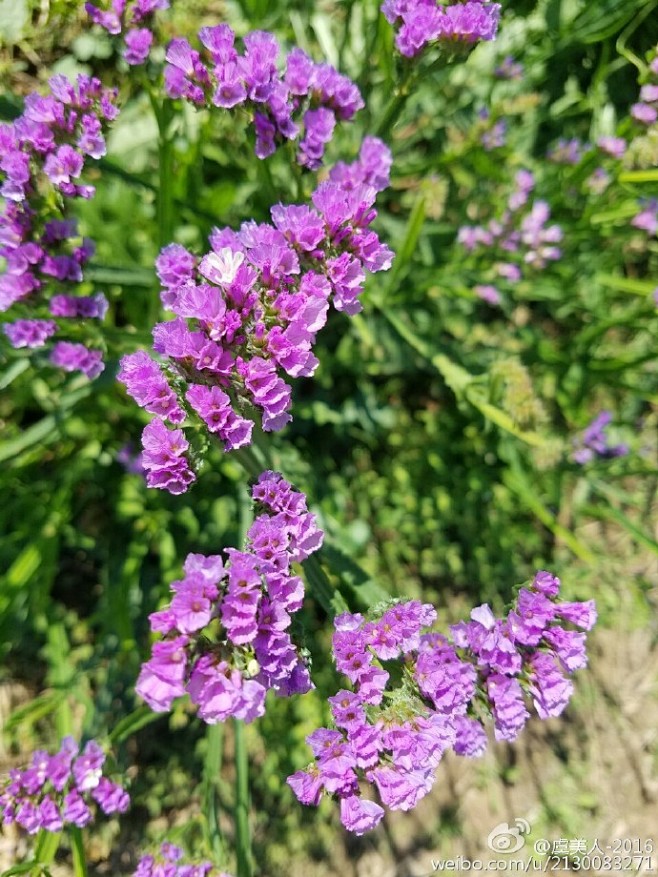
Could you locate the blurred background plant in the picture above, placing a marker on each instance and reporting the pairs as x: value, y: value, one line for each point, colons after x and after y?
x: 437, y: 439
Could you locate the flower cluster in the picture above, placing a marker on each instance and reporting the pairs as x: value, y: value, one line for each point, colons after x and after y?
x: 306, y: 99
x: 393, y: 728
x: 521, y: 232
x: 42, y: 157
x: 135, y: 18
x: 422, y: 22
x: 593, y: 442
x: 249, y: 311
x: 169, y: 863
x: 226, y: 639
x: 56, y: 790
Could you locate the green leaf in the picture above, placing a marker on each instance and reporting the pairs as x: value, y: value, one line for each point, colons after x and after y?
x: 132, y: 723
x: 648, y: 176
x: 40, y: 706
x: 23, y: 868
x: 14, y: 16
x: 603, y: 19
x: 503, y: 420
x: 45, y: 429
x: 407, y: 248
x: 14, y: 371
x: 610, y: 513
x: 111, y: 274
x: 625, y: 284
x: 354, y: 577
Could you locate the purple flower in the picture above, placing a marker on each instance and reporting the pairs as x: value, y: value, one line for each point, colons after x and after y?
x: 73, y: 357
x: 507, y: 705
x: 593, y: 442
x: 145, y: 382
x: 569, y: 647
x: 29, y: 333
x: 550, y: 690
x: 647, y: 218
x: 164, y: 458
x: 138, y: 46
x: 111, y: 797
x: 359, y: 815
x: 69, y: 306
x: 613, y: 146
x: 307, y: 786
x: 488, y: 293
x: 169, y: 862
x: 131, y: 14
x: 644, y: 113
x: 161, y: 679
x: 470, y: 737
x: 531, y: 618
x: 546, y: 583
x: 88, y: 767
x: 60, y: 789
x: 423, y: 23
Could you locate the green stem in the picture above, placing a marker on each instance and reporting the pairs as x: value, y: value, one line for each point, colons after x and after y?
x: 46, y: 848
x: 78, y: 849
x: 242, y: 836
x: 165, y: 175
x: 165, y: 197
x: 394, y: 107
x: 211, y: 771
x: 60, y: 675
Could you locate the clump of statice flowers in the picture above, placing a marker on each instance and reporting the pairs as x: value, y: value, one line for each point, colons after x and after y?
x: 61, y: 789
x: 420, y: 23
x: 248, y: 312
x: 134, y: 20
x: 415, y: 694
x: 43, y: 154
x: 226, y: 638
x: 518, y: 241
x: 303, y: 101
x: 168, y: 862
x: 594, y: 442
